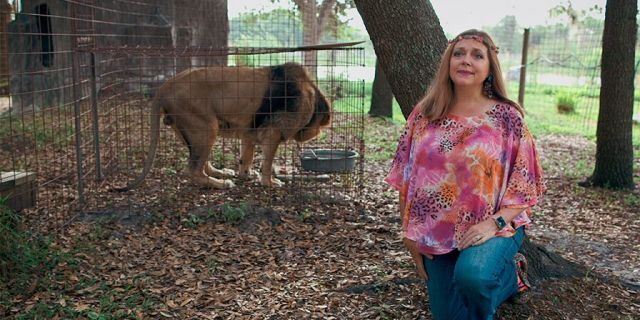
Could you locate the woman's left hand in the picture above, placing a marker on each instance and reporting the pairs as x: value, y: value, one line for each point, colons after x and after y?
x: 478, y: 234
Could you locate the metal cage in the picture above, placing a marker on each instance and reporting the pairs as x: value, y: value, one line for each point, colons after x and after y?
x: 79, y: 76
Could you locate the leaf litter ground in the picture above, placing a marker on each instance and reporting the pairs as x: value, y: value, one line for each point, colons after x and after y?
x: 172, y: 255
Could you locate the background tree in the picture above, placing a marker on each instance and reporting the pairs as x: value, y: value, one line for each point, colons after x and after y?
x: 381, y: 95
x: 203, y: 25
x: 504, y: 34
x: 5, y: 18
x: 408, y: 51
x: 409, y: 41
x: 614, y: 151
x: 315, y: 21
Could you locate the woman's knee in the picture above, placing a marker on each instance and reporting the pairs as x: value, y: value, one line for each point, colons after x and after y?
x: 473, y: 278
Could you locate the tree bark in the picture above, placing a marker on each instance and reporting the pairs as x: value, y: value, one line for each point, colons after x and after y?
x: 614, y: 151
x: 206, y: 26
x: 381, y: 95
x: 409, y: 42
x: 314, y: 22
x: 212, y: 31
x: 544, y: 264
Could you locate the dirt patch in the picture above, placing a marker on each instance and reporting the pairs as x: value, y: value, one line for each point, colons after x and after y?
x: 127, y: 217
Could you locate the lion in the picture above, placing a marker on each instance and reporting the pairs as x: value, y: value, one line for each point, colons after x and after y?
x: 260, y: 106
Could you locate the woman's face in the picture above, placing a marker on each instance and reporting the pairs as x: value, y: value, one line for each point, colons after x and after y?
x: 469, y: 64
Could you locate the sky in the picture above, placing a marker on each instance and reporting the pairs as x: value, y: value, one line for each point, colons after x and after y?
x: 459, y: 15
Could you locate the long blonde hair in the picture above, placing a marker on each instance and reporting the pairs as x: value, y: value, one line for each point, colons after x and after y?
x: 439, y: 97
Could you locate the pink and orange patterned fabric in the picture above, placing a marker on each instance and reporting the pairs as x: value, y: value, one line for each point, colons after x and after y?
x: 457, y: 171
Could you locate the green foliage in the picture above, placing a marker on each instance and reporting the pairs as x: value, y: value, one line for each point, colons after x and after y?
x: 632, y: 200
x: 305, y: 215
x: 565, y: 102
x: 191, y: 221
x: 541, y: 118
x: 4, y: 87
x: 256, y: 29
x: 25, y: 259
x: 283, y: 28
x: 36, y: 130
x: 229, y: 213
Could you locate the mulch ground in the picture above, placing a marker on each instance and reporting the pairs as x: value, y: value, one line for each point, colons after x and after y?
x: 175, y: 255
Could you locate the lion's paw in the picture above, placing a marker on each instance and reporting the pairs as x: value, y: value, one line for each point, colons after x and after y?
x: 228, y: 172
x: 276, y: 182
x: 251, y: 174
x: 228, y: 184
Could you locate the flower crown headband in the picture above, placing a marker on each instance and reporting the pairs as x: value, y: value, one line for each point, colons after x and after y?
x: 476, y: 38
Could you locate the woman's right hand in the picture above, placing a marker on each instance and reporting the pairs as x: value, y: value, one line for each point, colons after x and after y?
x: 417, y: 257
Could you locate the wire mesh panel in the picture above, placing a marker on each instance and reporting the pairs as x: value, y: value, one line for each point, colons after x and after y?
x: 562, y: 83
x: 37, y: 122
x: 562, y: 73
x: 226, y: 106
x: 85, y: 75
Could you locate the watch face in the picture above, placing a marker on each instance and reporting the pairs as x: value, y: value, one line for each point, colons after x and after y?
x: 501, y: 223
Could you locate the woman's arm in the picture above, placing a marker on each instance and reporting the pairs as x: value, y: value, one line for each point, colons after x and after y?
x: 485, y: 230
x: 508, y: 214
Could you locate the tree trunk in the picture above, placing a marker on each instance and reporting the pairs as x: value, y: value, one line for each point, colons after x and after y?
x: 614, y: 152
x: 314, y: 22
x: 544, y: 264
x: 409, y: 54
x: 408, y: 41
x: 204, y: 25
x: 310, y: 35
x: 381, y: 95
x: 211, y: 32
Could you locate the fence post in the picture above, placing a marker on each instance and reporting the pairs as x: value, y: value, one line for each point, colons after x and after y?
x: 75, y: 66
x: 523, y: 67
x: 76, y: 90
x: 94, y: 116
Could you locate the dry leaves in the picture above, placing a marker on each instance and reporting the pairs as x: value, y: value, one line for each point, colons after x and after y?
x: 157, y: 254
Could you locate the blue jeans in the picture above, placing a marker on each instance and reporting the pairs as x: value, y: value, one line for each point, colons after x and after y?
x: 472, y: 283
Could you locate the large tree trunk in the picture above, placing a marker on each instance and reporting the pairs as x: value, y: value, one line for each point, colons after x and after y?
x: 381, y: 95
x: 204, y: 25
x: 614, y: 152
x: 408, y: 41
x: 211, y: 31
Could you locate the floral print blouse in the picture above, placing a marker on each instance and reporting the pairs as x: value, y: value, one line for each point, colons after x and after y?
x: 457, y: 171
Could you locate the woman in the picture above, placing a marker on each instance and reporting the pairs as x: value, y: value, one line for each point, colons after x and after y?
x: 468, y: 174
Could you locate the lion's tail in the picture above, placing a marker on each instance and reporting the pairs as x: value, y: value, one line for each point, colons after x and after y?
x: 156, y: 109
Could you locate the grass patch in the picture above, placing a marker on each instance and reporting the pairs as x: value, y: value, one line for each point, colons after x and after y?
x: 25, y: 259
x: 4, y: 87
x: 566, y: 102
x: 51, y: 126
x: 30, y: 264
x: 541, y: 116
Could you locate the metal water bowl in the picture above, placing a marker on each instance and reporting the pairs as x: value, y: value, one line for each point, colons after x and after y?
x: 327, y: 160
